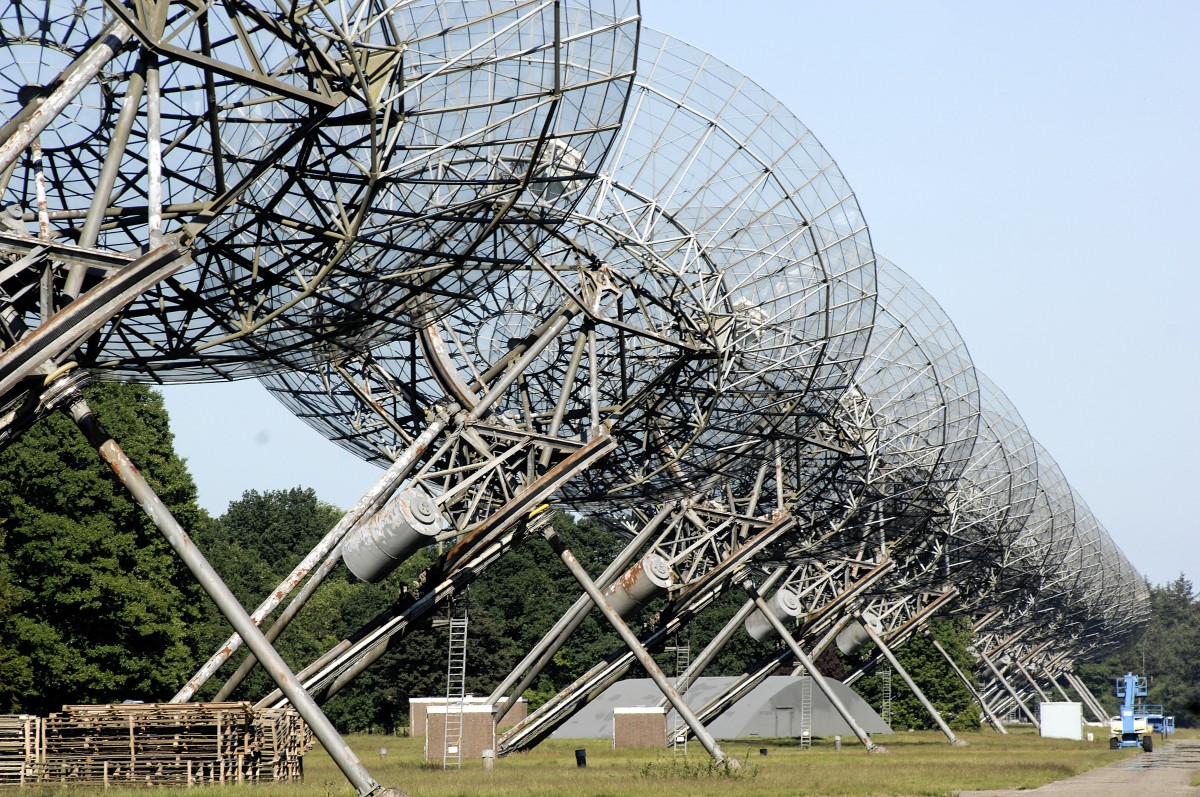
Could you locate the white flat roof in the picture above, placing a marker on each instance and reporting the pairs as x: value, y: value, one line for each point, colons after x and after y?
x: 469, y: 708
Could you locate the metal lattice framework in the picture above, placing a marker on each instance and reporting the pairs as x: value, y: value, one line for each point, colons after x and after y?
x: 520, y: 252
x: 1074, y: 598
x: 294, y: 176
x: 726, y: 281
x: 907, y: 427
x: 986, y: 515
x: 319, y: 172
x: 728, y: 300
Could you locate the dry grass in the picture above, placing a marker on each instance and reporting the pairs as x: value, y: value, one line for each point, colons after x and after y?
x: 920, y: 764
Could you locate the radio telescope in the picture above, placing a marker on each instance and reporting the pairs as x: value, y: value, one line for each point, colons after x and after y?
x: 440, y: 234
x: 687, y: 307
x: 306, y: 175
x: 910, y: 433
x: 971, y: 546
x: 1064, y: 595
x: 725, y: 280
x: 223, y: 189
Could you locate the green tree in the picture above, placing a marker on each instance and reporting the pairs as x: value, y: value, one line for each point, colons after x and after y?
x: 16, y: 667
x: 96, y: 607
x: 257, y: 542
x: 1165, y: 654
x: 254, y: 545
x: 933, y: 675
x: 277, y: 526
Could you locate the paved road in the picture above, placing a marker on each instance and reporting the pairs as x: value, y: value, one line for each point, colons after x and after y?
x: 1166, y: 771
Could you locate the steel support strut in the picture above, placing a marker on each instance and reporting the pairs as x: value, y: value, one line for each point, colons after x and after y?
x: 1058, y: 687
x: 813, y: 672
x: 718, y: 642
x: 21, y: 131
x: 692, y: 600
x: 962, y: 676
x: 1009, y: 689
x: 281, y: 623
x: 912, y: 685
x: 54, y: 339
x: 536, y: 659
x: 366, y: 506
x: 1086, y: 696
x: 635, y: 646
x: 1032, y: 681
x: 212, y: 584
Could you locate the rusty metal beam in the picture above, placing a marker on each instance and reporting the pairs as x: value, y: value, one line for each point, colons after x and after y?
x: 20, y: 132
x: 69, y: 327
x: 366, y: 506
x: 639, y: 651
x: 73, y: 403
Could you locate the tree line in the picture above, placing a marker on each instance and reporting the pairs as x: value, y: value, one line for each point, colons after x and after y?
x: 1165, y: 654
x: 95, y: 608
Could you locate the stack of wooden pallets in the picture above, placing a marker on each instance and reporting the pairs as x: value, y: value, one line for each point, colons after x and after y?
x: 20, y: 745
x: 172, y: 744
x: 282, y: 740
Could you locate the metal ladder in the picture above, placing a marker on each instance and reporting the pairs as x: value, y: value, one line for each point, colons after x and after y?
x: 456, y: 686
x: 683, y: 658
x: 885, y: 702
x: 806, y: 712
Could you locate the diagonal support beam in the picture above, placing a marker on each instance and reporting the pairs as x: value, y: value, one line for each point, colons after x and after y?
x: 536, y: 660
x: 640, y: 653
x: 76, y: 322
x: 1009, y: 689
x: 366, y: 506
x: 912, y: 685
x: 19, y: 133
x: 1086, y: 696
x: 962, y: 676
x: 1032, y: 681
x: 813, y: 672
x: 458, y: 567
x: 74, y: 403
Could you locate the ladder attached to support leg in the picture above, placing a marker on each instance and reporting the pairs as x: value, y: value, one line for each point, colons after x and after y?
x: 885, y: 703
x: 806, y: 712
x: 456, y: 686
x: 683, y: 658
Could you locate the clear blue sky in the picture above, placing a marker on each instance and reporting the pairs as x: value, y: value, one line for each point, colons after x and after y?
x: 1033, y: 164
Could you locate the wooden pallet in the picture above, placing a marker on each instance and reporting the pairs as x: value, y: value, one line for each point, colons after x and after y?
x: 20, y: 745
x: 169, y: 744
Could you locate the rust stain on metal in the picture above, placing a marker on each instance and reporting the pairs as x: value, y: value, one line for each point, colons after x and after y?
x: 287, y: 586
x: 630, y: 577
x: 194, y: 683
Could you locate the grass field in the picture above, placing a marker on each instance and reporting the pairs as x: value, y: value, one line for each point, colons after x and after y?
x: 919, y: 764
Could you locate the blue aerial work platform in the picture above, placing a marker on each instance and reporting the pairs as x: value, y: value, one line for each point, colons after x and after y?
x: 1139, y: 721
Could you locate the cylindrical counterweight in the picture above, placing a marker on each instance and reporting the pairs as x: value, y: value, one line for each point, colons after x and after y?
x: 854, y: 636
x: 639, y: 585
x: 783, y: 604
x: 403, y: 525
